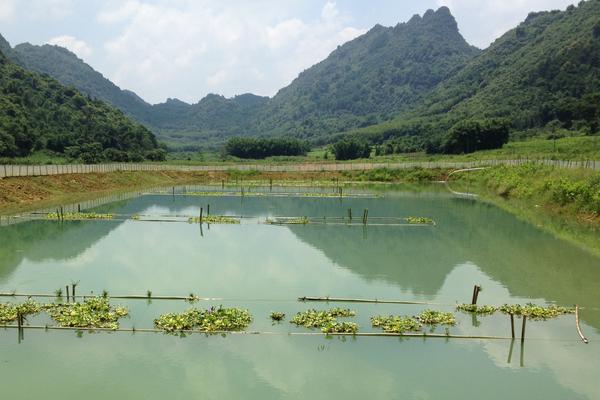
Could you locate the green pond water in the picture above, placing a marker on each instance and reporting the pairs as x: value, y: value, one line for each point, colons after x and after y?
x: 266, y: 268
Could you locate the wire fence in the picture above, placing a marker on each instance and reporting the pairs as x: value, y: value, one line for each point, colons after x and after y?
x: 45, y: 170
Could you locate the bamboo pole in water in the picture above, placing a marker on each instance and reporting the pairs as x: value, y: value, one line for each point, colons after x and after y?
x: 347, y: 300
x: 583, y: 338
x: 358, y: 334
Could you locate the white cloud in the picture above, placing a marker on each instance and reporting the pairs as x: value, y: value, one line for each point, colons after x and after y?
x: 7, y: 10
x: 191, y: 48
x: 493, y: 17
x: 79, y: 47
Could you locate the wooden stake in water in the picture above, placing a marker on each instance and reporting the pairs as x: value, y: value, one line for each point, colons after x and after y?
x: 476, y: 290
x: 350, y: 214
x: 67, y: 293
x: 222, y: 183
x: 201, y: 211
x: 208, y: 209
x: 523, y: 328
x: 512, y: 325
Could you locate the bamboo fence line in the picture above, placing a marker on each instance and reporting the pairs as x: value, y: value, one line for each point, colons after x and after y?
x: 14, y: 170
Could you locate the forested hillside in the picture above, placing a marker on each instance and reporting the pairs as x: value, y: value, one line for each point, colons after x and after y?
x: 543, y: 74
x: 68, y: 69
x: 370, y: 79
x: 37, y: 113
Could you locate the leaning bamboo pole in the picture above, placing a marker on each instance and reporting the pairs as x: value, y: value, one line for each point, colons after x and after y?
x: 583, y: 338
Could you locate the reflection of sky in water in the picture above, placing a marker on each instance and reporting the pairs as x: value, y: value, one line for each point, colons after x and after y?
x: 265, y: 268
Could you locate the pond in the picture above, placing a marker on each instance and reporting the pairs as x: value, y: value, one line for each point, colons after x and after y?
x: 266, y: 268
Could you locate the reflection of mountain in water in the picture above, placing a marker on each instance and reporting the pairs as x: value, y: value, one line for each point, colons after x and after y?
x: 523, y: 259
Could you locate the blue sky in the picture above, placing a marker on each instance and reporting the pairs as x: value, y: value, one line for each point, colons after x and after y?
x: 188, y: 48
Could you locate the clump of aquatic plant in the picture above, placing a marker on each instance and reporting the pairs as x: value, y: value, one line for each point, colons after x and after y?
x: 211, y: 320
x: 475, y: 309
x: 135, y: 217
x: 431, y: 317
x: 277, y: 316
x: 340, y: 327
x: 288, y: 221
x: 396, y: 324
x: 58, y: 292
x: 104, y: 294
x: 72, y: 216
x: 149, y: 293
x: 419, y: 221
x: 94, y: 312
x: 9, y: 312
x: 192, y: 298
x: 318, y: 319
x: 214, y: 219
x: 536, y: 312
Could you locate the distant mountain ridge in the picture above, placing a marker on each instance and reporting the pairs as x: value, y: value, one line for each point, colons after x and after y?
x: 370, y: 78
x: 543, y: 74
x: 414, y: 80
x: 363, y: 82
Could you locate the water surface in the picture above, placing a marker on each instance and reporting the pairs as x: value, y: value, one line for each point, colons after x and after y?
x: 265, y: 268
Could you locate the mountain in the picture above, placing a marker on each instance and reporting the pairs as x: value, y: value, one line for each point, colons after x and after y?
x: 212, y: 120
x: 363, y: 82
x: 545, y: 73
x: 178, y: 123
x: 68, y: 69
x: 371, y: 78
x: 37, y: 113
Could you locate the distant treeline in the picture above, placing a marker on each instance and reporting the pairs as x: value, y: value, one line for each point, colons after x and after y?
x: 258, y: 148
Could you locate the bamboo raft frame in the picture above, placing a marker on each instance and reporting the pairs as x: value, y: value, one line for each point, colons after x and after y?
x: 423, y: 335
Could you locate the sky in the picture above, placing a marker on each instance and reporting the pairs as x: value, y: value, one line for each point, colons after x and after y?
x: 186, y: 49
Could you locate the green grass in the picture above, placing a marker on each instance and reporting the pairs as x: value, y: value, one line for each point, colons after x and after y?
x: 564, y: 202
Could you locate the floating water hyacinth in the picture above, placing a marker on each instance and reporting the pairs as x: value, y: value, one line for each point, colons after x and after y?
x: 340, y: 327
x: 94, y: 312
x: 419, y: 221
x: 396, y: 324
x: 277, y: 316
x: 475, y: 309
x: 536, y: 312
x: 214, y: 219
x: 326, y: 319
x: 211, y: 320
x: 431, y: 317
x: 76, y: 216
x: 288, y: 221
x: 9, y: 312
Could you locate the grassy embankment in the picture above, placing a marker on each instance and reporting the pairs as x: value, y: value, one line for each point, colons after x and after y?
x: 563, y: 202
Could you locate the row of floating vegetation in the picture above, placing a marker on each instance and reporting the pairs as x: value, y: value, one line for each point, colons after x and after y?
x: 77, y: 216
x: 214, y: 219
x: 93, y: 312
x: 529, y: 310
x: 98, y: 313
x: 243, y: 193
x: 379, y: 221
